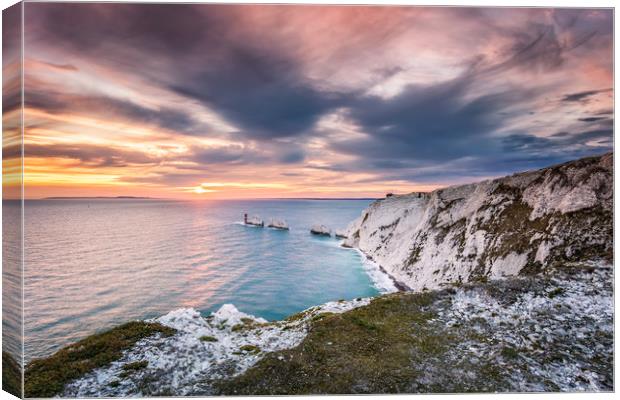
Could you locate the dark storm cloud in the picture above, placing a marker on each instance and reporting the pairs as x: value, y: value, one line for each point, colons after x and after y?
x: 91, y: 155
x: 445, y: 122
x: 171, y: 119
x: 583, y: 96
x: 12, y: 97
x: 261, y: 100
x: 103, y: 156
x: 11, y: 34
x: 259, y: 85
x: 592, y: 119
x: 253, y: 83
x: 292, y: 157
x: 104, y: 29
x: 535, y: 47
x: 227, y: 155
x: 562, y: 147
x: 11, y: 54
x: 433, y: 123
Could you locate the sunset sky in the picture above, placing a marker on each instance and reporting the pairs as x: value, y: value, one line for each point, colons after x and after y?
x: 217, y: 101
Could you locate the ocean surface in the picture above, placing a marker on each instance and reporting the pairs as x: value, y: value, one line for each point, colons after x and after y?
x: 91, y: 264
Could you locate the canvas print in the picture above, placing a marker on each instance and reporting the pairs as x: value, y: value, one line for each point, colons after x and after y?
x: 226, y: 199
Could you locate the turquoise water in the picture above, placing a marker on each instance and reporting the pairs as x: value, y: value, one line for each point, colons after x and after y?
x: 91, y: 264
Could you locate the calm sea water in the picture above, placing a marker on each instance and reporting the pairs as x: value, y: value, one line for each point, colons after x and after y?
x: 91, y: 264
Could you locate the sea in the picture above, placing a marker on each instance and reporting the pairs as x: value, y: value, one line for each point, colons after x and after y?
x: 91, y: 264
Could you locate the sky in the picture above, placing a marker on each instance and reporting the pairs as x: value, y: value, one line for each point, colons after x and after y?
x: 260, y: 101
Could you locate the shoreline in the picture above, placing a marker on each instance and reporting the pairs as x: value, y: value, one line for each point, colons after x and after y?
x: 400, y: 286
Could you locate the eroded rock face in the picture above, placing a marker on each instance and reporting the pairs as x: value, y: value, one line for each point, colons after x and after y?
x: 519, y: 224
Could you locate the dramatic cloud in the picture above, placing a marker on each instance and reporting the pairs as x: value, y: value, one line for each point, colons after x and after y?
x: 91, y: 156
x: 582, y: 96
x: 307, y: 100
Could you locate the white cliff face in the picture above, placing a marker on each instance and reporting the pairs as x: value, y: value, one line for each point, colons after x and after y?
x: 518, y: 224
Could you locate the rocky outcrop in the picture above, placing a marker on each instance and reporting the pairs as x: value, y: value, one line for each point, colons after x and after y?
x: 278, y: 224
x: 519, y: 224
x: 253, y: 220
x: 321, y: 230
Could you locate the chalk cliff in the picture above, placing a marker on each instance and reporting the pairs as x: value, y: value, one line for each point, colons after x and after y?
x: 520, y: 224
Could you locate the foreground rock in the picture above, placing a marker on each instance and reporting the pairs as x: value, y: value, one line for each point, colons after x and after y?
x: 551, y: 332
x: 521, y: 224
x: 202, y: 350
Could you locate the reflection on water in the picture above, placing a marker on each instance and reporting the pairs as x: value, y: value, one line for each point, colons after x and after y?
x: 11, y: 278
x: 91, y: 264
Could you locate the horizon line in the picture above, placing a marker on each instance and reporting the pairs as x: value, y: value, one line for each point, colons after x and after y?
x: 190, y: 199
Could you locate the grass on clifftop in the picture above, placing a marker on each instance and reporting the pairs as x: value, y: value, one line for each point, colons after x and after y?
x: 47, y: 377
x: 542, y: 333
x: 371, y: 349
x: 11, y: 375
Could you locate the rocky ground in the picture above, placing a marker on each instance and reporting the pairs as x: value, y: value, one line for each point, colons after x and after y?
x: 542, y: 333
x: 551, y: 332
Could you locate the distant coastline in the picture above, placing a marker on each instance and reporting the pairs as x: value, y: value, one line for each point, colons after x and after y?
x: 98, y: 197
x: 162, y: 198
x: 318, y: 198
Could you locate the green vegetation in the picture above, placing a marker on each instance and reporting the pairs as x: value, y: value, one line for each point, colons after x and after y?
x: 298, y: 316
x: 248, y: 348
x: 510, y: 352
x: 416, y: 251
x: 47, y: 377
x: 321, y: 316
x: 135, y: 366
x: 132, y: 367
x: 372, y: 349
x: 11, y: 375
x: 555, y: 292
x: 400, y: 343
x: 207, y: 338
